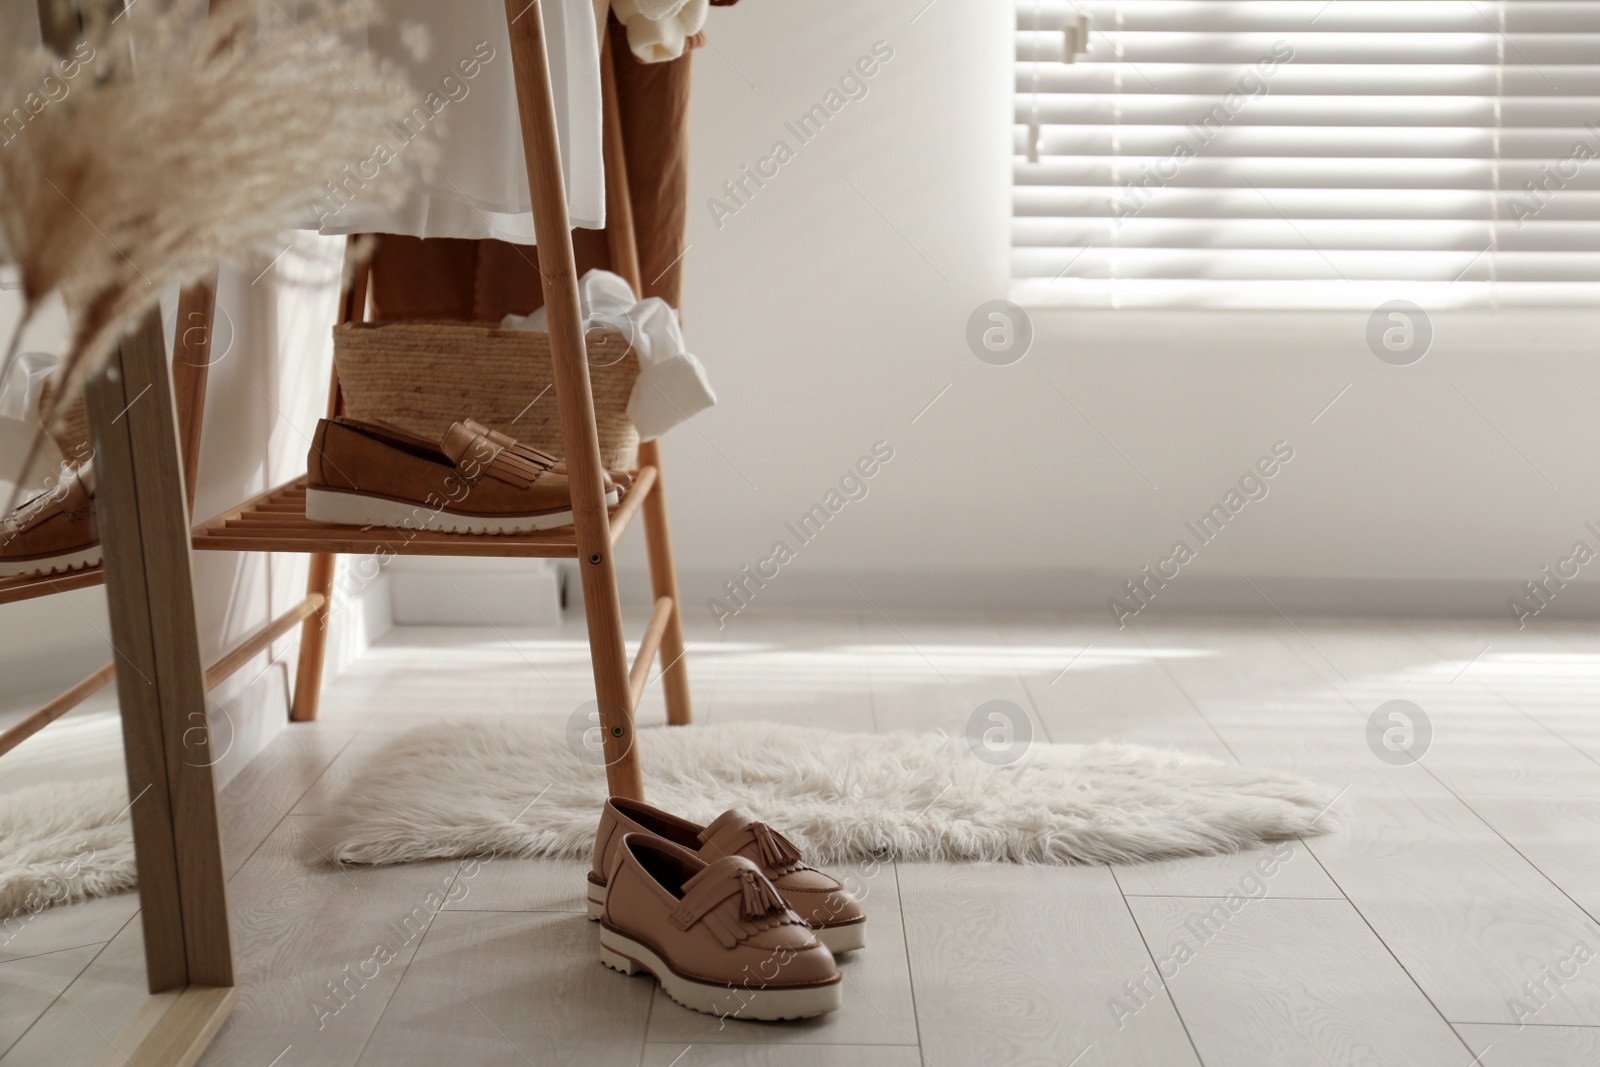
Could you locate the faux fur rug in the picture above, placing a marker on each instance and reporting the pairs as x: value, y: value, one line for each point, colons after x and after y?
x: 60, y: 844
x: 514, y: 788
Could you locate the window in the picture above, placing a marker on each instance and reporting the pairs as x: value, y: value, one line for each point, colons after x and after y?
x: 1307, y: 153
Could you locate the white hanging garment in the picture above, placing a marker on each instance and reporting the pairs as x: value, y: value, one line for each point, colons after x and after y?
x: 466, y: 97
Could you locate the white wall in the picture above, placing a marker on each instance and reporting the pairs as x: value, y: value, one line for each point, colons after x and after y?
x: 832, y: 308
x: 267, y: 386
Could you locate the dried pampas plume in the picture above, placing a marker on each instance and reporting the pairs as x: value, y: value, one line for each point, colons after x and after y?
x: 184, y: 141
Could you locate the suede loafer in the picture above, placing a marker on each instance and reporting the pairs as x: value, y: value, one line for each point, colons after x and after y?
x: 473, y: 481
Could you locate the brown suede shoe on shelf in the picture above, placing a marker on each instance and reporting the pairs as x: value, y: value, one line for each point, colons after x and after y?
x: 717, y: 936
x: 53, y: 531
x: 366, y: 474
x: 612, y: 479
x: 831, y: 911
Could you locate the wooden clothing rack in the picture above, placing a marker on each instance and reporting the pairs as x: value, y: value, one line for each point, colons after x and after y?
x: 146, y: 455
x: 276, y: 521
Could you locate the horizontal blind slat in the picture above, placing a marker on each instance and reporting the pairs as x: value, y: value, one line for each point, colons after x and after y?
x: 1227, y: 153
x: 1545, y: 145
x: 1332, y: 264
x: 1373, y: 235
x: 1104, y: 172
x: 1346, y: 16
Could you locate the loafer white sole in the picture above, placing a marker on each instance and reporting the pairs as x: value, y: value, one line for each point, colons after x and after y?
x: 342, y: 508
x: 846, y: 937
x: 45, y: 565
x: 764, y: 1003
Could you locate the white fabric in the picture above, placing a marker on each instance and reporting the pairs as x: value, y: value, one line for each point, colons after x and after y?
x: 513, y: 786
x: 672, y: 385
x: 480, y: 186
x: 658, y: 30
x: 19, y: 393
x: 19, y: 424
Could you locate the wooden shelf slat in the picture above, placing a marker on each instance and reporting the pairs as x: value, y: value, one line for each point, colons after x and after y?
x: 275, y: 522
x: 28, y: 586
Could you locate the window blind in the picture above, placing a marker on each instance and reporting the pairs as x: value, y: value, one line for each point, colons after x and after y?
x: 1306, y: 153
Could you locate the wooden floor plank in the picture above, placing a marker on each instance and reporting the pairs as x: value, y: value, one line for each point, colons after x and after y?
x: 1290, y: 983
x: 934, y: 674
x: 29, y: 986
x: 1533, y: 1046
x: 792, y: 670
x: 757, y: 1055
x: 1284, y: 870
x: 1483, y: 739
x: 511, y: 989
x: 1467, y: 916
x: 1545, y: 686
x: 55, y: 929
x: 95, y: 1011
x: 504, y: 883
x: 1092, y: 683
x: 1017, y: 965
x: 1558, y: 835
x: 269, y: 787
x: 321, y: 949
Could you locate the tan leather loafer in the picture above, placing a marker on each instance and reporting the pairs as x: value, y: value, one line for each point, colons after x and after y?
x: 831, y: 911
x: 473, y: 481
x: 717, y: 936
x: 53, y: 531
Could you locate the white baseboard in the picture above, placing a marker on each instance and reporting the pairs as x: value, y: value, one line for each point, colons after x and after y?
x: 431, y: 591
x: 250, y: 709
x: 361, y: 614
x: 1085, y: 593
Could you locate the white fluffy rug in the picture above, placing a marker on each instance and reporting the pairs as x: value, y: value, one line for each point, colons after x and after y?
x: 516, y: 788
x: 63, y: 843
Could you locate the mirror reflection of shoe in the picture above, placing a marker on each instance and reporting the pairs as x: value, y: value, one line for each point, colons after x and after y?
x: 54, y: 531
x: 368, y: 474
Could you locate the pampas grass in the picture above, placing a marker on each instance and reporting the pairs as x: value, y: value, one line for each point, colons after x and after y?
x: 187, y: 141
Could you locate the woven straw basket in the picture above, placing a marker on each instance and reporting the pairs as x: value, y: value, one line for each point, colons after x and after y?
x: 71, y: 431
x: 423, y: 376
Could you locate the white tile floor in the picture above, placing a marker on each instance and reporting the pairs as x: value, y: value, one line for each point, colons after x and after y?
x: 1458, y: 899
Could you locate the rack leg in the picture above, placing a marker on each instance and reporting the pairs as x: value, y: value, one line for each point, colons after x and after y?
x: 313, y: 640
x: 624, y: 248
x: 325, y: 565
x: 664, y: 583
x: 553, y: 229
